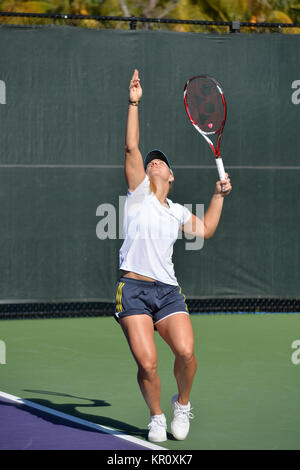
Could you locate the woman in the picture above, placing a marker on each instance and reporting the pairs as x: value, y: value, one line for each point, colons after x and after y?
x: 148, y: 296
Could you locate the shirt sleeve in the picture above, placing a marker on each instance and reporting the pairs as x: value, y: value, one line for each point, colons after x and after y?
x: 143, y: 187
x: 186, y: 214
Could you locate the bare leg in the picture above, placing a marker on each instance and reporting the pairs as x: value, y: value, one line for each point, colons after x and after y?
x: 177, y: 331
x: 139, y: 332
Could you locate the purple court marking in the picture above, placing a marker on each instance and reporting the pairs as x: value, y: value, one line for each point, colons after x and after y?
x: 26, y: 428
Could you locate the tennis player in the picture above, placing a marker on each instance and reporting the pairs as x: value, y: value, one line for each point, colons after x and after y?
x: 148, y: 296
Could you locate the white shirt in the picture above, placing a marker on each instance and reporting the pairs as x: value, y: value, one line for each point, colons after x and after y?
x: 150, y: 231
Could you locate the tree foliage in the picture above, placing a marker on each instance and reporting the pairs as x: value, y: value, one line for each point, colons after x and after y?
x: 286, y: 11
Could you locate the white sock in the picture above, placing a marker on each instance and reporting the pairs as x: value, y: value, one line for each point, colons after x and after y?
x: 184, y: 407
x: 161, y: 415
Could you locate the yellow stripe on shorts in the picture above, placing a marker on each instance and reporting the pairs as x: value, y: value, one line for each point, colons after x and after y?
x: 119, y: 297
x: 184, y: 299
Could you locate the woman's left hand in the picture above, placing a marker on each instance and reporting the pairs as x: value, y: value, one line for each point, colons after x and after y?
x: 135, y: 89
x: 223, y: 187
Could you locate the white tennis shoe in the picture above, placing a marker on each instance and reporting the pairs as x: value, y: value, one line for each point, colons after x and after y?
x: 157, y: 428
x: 180, y: 425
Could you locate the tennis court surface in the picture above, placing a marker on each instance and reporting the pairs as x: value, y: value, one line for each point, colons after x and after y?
x: 70, y: 383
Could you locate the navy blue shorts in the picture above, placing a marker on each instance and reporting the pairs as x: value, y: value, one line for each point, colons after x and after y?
x: 156, y: 299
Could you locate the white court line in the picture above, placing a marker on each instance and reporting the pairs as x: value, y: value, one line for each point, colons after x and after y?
x: 89, y: 424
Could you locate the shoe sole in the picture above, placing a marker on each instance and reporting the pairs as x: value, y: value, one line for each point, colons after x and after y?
x: 158, y: 440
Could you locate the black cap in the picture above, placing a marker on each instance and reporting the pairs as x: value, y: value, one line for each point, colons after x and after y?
x: 153, y: 154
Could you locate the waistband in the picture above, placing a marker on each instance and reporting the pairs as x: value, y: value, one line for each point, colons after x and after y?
x: 140, y: 282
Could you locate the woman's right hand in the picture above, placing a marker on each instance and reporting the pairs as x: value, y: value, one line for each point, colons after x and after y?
x: 135, y: 89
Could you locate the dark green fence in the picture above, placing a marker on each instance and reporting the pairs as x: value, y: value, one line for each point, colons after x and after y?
x: 63, y: 105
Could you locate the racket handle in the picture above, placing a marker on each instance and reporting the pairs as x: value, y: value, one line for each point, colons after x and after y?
x: 221, y: 170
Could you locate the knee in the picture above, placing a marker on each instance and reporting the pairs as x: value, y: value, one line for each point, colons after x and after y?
x: 147, y: 369
x: 186, y: 354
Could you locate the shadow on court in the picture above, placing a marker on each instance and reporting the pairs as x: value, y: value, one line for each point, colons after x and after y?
x: 71, y: 409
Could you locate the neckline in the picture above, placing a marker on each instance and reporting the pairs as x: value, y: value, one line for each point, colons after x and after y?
x: 163, y: 205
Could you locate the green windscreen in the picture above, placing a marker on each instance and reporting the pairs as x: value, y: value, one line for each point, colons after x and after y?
x: 63, y: 109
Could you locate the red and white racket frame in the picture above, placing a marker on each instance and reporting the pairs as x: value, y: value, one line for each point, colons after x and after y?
x: 216, y: 150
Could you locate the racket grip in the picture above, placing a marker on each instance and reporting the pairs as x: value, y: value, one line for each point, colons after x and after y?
x: 220, y: 168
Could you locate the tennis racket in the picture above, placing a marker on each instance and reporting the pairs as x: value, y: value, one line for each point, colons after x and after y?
x: 206, y: 108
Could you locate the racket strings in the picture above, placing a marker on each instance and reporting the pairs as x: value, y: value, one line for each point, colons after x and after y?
x: 205, y: 105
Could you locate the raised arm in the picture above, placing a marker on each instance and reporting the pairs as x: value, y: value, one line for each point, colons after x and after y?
x: 134, y: 166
